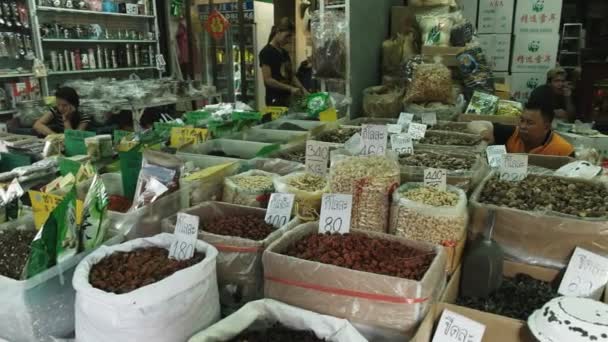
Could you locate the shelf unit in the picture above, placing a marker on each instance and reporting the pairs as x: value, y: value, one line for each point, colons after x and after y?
x: 44, y: 14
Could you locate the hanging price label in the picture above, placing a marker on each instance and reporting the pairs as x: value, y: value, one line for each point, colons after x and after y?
x: 160, y: 62
x: 317, y: 157
x: 394, y: 128
x: 416, y: 131
x: 186, y: 234
x: 495, y: 155
x: 514, y: 167
x: 181, y: 136
x: 453, y: 327
x: 402, y: 144
x: 429, y: 119
x: 375, y: 139
x: 586, y: 275
x: 435, y: 178
x: 279, y: 209
x: 405, y: 119
x: 336, y: 211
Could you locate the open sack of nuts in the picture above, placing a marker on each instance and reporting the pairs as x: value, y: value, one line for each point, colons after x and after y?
x: 241, y: 236
x: 371, y: 180
x: 432, y: 215
x: 542, y: 219
x: 206, y: 184
x: 465, y: 170
x: 252, y: 188
x: 369, y: 278
x: 382, y: 101
x: 270, y: 320
x: 308, y: 189
x: 133, y: 291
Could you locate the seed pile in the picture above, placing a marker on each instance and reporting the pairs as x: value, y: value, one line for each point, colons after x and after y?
x: 307, y: 182
x: 277, y: 333
x: 247, y: 227
x: 123, y: 272
x: 431, y: 196
x: 253, y: 182
x: 338, y: 136
x: 362, y: 253
x: 546, y: 193
x: 14, y: 251
x: 517, y: 298
x: 437, y: 161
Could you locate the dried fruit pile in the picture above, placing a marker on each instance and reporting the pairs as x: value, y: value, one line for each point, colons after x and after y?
x: 247, y: 227
x: 517, y: 298
x: 362, y: 253
x: 437, y: 160
x: 119, y: 203
x: 123, y: 272
x: 545, y: 193
x: 436, y: 138
x: 14, y: 251
x: 338, y: 136
x: 277, y: 333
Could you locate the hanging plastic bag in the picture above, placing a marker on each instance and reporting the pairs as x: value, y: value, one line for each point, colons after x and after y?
x: 430, y: 82
x: 159, y: 175
x: 476, y: 71
x: 329, y: 32
x: 382, y: 102
x: 436, y: 30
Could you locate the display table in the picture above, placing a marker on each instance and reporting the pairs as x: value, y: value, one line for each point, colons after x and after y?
x: 598, y: 141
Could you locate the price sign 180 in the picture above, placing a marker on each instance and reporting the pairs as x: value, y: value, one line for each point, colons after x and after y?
x: 335, y: 213
x: 186, y: 233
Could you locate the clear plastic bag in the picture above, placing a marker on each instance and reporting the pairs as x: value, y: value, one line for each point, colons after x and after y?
x: 436, y: 30
x: 476, y: 71
x: 371, y: 180
x: 329, y: 44
x: 382, y: 102
x: 445, y: 226
x: 266, y: 312
x: 307, y: 204
x: 239, y: 262
x: 430, y: 82
x: 252, y: 188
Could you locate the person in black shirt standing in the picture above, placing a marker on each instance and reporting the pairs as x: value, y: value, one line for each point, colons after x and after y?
x: 276, y: 66
x: 556, y: 95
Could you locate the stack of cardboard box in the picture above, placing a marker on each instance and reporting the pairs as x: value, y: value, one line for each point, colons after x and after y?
x: 495, y: 25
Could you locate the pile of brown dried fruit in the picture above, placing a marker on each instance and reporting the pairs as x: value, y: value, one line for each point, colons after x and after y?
x: 547, y: 193
x: 338, y: 136
x: 278, y: 333
x: 363, y: 253
x: 247, y: 227
x: 123, y: 272
x: 450, y: 139
x: 437, y: 160
x: 14, y: 251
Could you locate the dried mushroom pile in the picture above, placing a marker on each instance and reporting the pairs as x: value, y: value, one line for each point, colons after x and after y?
x: 278, y: 333
x: 434, y: 138
x: 450, y: 126
x: 298, y: 156
x: 543, y: 193
x: 307, y: 182
x: 338, y: 136
x: 438, y: 161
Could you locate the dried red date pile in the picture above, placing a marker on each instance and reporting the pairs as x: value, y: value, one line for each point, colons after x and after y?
x: 277, y: 333
x: 363, y: 253
x: 247, y: 227
x: 123, y: 272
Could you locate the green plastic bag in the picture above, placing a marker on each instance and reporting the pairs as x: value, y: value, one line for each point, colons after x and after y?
x: 92, y: 229
x: 130, y: 165
x: 317, y: 103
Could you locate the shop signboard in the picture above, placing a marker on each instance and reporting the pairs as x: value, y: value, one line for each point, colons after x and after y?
x: 495, y: 16
x: 538, y: 16
x: 498, y: 50
x: 534, y: 52
x: 522, y: 85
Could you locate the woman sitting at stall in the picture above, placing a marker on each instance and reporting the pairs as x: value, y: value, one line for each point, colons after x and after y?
x: 64, y: 115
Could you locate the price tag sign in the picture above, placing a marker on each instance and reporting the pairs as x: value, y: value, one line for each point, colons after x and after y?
x: 402, y: 144
x: 435, y: 178
x: 495, y: 155
x: 405, y: 119
x: 586, y: 275
x: 416, y: 131
x: 329, y: 115
x: 317, y: 157
x: 514, y: 167
x: 186, y: 234
x: 181, y: 136
x: 279, y: 209
x: 394, y: 128
x: 336, y: 210
x: 453, y: 327
x: 375, y: 138
x: 429, y: 119
x: 3, y: 147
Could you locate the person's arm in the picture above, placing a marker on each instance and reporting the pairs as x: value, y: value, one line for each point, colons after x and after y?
x: 41, y: 125
x: 299, y: 85
x: 85, y: 120
x: 272, y: 83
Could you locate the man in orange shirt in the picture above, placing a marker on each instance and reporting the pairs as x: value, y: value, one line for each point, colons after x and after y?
x: 532, y: 135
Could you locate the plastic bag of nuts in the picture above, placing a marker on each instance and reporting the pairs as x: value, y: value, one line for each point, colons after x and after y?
x: 308, y: 190
x: 239, y: 262
x: 251, y: 188
x: 431, y: 215
x: 371, y: 180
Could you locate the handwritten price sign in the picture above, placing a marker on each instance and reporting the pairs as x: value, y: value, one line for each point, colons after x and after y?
x: 181, y: 136
x: 317, y: 157
x: 186, y: 234
x: 402, y: 144
x: 279, y: 209
x: 374, y: 139
x: 336, y: 211
x: 586, y: 275
x: 514, y: 167
x: 435, y: 178
x: 453, y: 327
x: 416, y: 131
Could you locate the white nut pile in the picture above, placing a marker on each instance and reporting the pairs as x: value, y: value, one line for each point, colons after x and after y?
x: 429, y: 214
x: 308, y: 190
x: 252, y: 188
x: 371, y: 180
